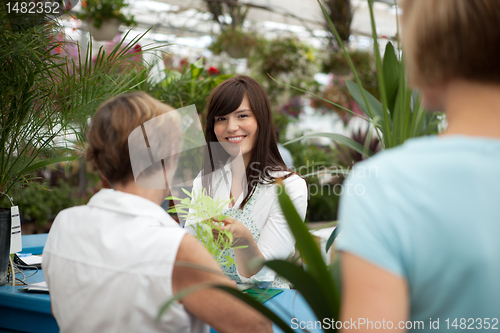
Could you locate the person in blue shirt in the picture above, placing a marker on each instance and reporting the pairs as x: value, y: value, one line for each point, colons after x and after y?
x: 420, y: 223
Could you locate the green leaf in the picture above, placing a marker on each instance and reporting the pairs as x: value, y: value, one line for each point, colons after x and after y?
x: 229, y: 235
x: 309, y: 251
x: 186, y: 192
x: 335, y: 273
x: 331, y: 239
x: 207, y: 228
x: 339, y: 138
x: 239, y: 247
x: 47, y: 162
x: 347, y: 56
x: 320, y: 300
x: 391, y: 75
x: 375, y: 105
x: 259, y: 307
x: 197, y: 68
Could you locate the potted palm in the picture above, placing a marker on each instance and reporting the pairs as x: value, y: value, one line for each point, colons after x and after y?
x: 46, y: 94
x: 104, y: 17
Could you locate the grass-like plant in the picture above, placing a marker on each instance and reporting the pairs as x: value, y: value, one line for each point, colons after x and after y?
x: 200, y: 209
x: 398, y: 115
x: 46, y: 94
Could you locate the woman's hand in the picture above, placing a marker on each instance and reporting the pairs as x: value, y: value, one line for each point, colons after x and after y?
x: 241, y: 234
x: 245, y: 257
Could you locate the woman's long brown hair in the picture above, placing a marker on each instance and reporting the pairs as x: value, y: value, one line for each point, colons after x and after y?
x: 226, y: 98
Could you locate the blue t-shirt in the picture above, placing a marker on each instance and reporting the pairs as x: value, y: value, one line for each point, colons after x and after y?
x: 429, y: 211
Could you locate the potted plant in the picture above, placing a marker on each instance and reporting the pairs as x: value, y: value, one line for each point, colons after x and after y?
x: 104, y: 17
x: 47, y: 94
x: 286, y: 59
x: 192, y: 85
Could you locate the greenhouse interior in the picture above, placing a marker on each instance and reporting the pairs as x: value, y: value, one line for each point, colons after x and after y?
x: 249, y: 165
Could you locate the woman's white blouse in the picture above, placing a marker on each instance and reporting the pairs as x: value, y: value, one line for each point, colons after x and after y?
x: 109, y: 265
x: 276, y: 239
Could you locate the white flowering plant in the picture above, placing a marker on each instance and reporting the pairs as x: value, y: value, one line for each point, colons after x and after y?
x: 206, y: 212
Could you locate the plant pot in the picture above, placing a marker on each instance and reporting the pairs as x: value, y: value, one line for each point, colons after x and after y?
x: 236, y: 51
x: 5, y: 231
x: 108, y: 30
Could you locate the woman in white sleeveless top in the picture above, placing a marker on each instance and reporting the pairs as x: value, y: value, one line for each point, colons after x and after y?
x: 109, y: 264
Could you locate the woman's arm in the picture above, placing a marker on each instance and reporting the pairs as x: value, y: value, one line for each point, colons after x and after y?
x: 215, y: 307
x: 373, y: 294
x: 276, y: 240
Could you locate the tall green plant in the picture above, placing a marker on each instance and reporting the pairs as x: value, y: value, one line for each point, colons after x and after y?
x: 399, y: 115
x: 46, y: 94
x: 318, y: 284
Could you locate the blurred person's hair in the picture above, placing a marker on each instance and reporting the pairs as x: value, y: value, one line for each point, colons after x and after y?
x: 451, y: 39
x: 115, y: 119
x: 226, y: 98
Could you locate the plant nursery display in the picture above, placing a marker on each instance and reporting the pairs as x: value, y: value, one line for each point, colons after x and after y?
x: 285, y: 59
x: 192, y: 85
x: 236, y: 42
x: 202, y: 208
x: 404, y: 116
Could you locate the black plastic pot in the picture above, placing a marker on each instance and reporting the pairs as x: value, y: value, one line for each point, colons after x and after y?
x: 5, y: 230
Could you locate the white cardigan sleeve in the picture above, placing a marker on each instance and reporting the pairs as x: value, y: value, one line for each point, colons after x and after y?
x: 276, y: 239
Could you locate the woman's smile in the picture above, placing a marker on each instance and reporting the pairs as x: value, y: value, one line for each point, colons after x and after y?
x: 236, y: 139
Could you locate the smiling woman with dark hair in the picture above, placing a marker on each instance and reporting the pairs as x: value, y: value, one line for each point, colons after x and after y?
x: 240, y: 122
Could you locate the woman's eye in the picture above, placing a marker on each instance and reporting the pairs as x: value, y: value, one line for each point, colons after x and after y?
x: 220, y: 119
x: 243, y: 115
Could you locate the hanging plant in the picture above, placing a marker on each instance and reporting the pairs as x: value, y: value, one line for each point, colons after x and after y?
x: 237, y: 43
x: 99, y: 11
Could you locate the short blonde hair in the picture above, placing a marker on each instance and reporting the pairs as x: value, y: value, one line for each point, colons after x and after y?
x: 115, y: 119
x: 451, y: 39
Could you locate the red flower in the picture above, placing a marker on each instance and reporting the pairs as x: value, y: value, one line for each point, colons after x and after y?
x: 137, y: 48
x: 213, y: 71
